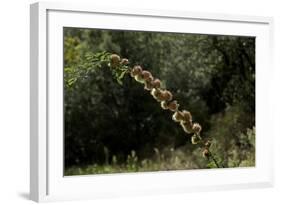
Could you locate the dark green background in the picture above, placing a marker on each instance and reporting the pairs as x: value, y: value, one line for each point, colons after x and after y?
x: 212, y: 76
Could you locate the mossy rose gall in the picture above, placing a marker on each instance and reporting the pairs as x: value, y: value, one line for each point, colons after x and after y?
x: 164, y: 105
x: 124, y: 61
x: 136, y: 71
x: 156, y: 83
x: 115, y: 60
x: 196, y: 128
x: 173, y: 106
x: 146, y: 74
x: 178, y: 116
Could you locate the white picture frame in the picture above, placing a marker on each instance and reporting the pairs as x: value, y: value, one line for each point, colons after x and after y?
x: 47, y: 182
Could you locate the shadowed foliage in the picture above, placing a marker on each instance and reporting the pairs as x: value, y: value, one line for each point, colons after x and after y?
x: 118, y: 128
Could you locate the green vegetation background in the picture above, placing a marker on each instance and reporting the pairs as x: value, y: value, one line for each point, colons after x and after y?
x: 111, y: 128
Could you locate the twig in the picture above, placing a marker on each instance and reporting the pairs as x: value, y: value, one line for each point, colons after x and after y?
x: 215, y: 161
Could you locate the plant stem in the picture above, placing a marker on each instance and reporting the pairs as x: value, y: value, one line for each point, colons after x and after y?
x: 211, y: 156
x: 215, y: 161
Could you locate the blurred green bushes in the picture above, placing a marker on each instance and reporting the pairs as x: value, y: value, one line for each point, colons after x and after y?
x: 212, y: 76
x: 240, y: 154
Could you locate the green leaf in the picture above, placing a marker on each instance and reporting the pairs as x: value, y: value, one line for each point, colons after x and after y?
x: 122, y: 74
x: 119, y: 81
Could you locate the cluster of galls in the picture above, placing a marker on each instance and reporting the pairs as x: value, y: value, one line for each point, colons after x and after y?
x: 185, y: 119
x: 153, y: 85
x: 115, y: 61
x: 165, y: 98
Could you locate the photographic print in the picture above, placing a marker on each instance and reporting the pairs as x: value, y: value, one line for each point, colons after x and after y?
x: 141, y: 101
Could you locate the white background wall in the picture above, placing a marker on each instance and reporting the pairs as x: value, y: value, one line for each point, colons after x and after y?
x: 14, y: 101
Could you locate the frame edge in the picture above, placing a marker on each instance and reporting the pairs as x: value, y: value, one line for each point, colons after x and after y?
x: 38, y: 103
x: 34, y: 175
x: 38, y: 11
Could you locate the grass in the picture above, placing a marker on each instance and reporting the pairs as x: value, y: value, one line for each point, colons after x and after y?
x: 174, y: 160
